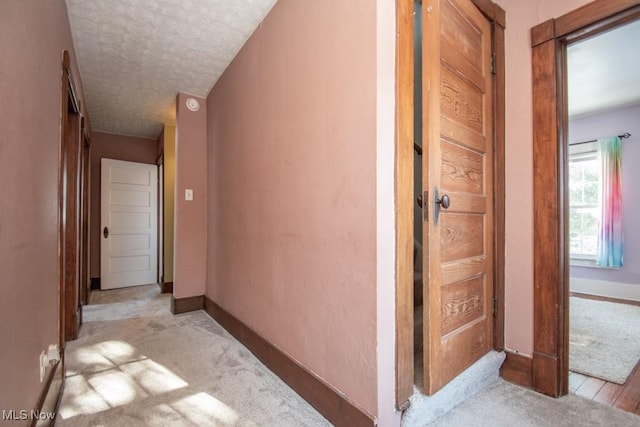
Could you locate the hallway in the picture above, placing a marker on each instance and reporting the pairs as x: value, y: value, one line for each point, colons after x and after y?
x: 137, y: 364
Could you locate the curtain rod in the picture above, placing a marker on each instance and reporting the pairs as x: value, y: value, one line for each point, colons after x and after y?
x: 623, y: 136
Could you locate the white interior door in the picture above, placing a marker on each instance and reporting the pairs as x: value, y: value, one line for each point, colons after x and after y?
x: 129, y: 224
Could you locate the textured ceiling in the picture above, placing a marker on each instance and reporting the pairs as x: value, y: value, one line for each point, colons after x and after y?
x: 136, y: 55
x: 604, y: 71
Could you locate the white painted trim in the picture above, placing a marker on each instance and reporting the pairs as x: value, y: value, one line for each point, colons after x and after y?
x: 604, y: 288
x: 385, y: 212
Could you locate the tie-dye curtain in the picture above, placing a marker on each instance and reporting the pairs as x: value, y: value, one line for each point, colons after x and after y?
x: 610, y: 245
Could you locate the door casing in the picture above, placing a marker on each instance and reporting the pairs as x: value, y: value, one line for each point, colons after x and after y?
x: 550, y: 372
x: 404, y: 187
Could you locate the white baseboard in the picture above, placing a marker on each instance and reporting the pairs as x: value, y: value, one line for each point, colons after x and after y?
x: 605, y: 289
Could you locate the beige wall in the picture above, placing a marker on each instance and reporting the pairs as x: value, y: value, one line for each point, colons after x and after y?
x: 292, y: 190
x: 32, y: 38
x: 118, y: 147
x: 190, y: 217
x: 169, y: 143
x: 521, y: 16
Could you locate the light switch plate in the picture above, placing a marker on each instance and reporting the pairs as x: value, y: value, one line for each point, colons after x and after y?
x: 188, y: 194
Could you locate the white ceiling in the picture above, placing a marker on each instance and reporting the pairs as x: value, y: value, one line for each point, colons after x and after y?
x: 604, y: 71
x: 136, y: 55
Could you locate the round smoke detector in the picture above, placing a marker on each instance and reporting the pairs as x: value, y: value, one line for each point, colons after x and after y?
x: 193, y: 104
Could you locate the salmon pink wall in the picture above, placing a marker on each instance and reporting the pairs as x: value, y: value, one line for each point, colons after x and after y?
x: 521, y: 17
x: 292, y: 189
x: 32, y: 38
x: 190, y: 217
x: 118, y: 147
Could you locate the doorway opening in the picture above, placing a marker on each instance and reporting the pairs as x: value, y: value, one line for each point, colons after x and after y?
x: 603, y: 103
x: 552, y: 225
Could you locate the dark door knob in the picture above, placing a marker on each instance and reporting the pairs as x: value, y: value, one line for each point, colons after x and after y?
x: 444, y: 201
x: 105, y: 232
x: 419, y: 200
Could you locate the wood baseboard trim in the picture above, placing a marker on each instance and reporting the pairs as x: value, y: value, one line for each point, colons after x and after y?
x: 95, y: 284
x: 330, y: 403
x: 166, y: 287
x: 185, y: 305
x: 49, y: 399
x: 606, y: 299
x: 545, y: 377
x: 517, y: 369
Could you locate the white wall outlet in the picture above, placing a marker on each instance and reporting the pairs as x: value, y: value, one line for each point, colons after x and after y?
x: 44, y: 361
x: 53, y: 353
x: 188, y: 194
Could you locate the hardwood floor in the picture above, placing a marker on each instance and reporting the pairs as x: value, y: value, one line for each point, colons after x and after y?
x: 625, y: 397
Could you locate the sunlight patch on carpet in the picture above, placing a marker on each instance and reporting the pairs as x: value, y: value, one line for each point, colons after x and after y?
x: 202, y: 409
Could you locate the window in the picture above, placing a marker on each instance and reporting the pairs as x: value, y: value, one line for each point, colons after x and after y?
x: 584, y: 205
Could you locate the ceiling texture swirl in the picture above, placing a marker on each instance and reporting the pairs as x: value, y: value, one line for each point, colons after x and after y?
x: 134, y: 56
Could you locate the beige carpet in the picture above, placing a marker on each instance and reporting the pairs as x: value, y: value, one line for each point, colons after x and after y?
x: 604, y: 338
x: 135, y: 364
x: 507, y: 405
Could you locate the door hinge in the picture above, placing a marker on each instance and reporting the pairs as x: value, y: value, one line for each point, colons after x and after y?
x: 495, y: 307
x: 493, y: 63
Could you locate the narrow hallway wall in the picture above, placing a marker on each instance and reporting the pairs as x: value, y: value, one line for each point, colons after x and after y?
x: 292, y: 190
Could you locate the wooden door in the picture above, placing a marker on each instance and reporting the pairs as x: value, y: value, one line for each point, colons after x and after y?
x: 129, y: 218
x: 458, y: 169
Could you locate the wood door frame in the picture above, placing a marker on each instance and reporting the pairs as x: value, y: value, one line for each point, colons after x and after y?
x: 85, y: 197
x: 69, y: 317
x: 404, y: 187
x: 550, y: 124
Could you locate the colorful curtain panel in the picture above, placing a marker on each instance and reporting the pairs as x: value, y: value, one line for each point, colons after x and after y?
x: 610, y: 245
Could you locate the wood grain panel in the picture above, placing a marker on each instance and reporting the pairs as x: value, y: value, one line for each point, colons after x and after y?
x: 461, y: 101
x: 404, y: 199
x: 472, y: 341
x: 629, y: 398
x: 590, y: 13
x: 462, y: 303
x: 462, y: 136
x: 459, y: 135
x: 462, y: 236
x: 517, y: 369
x: 462, y: 45
x: 547, y: 225
x: 459, y: 270
x: 543, y: 32
x: 492, y: 11
x: 461, y: 169
x: 185, y: 305
x: 72, y: 225
x: 466, y: 203
x: 608, y: 394
x: 499, y: 181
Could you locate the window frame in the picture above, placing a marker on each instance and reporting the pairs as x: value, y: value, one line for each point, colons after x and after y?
x: 577, y: 153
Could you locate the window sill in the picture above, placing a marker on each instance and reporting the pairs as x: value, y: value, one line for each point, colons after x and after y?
x: 588, y: 263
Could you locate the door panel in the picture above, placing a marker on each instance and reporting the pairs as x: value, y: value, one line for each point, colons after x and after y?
x: 129, y: 210
x: 457, y: 97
